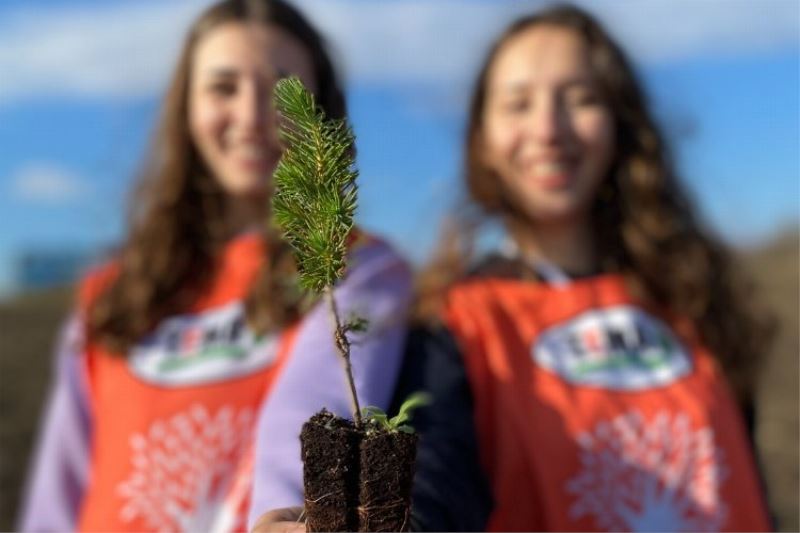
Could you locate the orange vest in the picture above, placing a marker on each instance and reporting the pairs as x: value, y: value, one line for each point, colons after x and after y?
x: 595, y: 412
x: 172, y: 421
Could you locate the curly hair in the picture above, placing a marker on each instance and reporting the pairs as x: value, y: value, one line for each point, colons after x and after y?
x: 644, y: 225
x: 176, y: 220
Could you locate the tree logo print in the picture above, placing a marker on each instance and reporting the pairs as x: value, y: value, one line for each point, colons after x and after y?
x: 656, y: 475
x: 206, y: 347
x: 617, y: 348
x: 183, y: 468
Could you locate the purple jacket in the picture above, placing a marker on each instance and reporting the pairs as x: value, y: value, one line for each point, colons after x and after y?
x: 377, y: 287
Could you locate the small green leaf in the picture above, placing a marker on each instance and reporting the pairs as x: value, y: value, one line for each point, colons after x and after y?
x: 415, y: 401
x: 356, y: 323
x: 371, y: 410
x: 376, y: 416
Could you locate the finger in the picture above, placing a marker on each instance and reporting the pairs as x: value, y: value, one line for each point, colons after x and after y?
x: 281, y: 527
x: 280, y: 520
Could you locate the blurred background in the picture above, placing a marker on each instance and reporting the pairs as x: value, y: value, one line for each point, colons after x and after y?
x: 80, y: 82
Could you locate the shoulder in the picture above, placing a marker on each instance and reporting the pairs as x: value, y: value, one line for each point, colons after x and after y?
x: 467, y: 304
x: 371, y: 254
x: 494, y: 270
x: 97, y: 280
x: 478, y: 290
x: 499, y: 266
x: 487, y: 296
x: 361, y: 242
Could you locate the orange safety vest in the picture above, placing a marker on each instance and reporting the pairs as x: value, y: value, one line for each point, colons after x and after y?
x: 172, y: 421
x: 597, y: 412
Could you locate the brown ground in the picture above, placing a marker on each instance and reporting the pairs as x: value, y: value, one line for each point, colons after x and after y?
x: 776, y: 271
x: 28, y: 324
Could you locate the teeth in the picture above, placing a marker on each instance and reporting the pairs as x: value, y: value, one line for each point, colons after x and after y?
x: 251, y: 151
x: 549, y: 168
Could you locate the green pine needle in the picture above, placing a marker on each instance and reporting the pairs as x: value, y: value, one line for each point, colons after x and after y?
x: 315, y: 186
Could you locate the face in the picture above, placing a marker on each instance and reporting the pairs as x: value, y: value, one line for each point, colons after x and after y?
x: 231, y: 117
x: 547, y: 132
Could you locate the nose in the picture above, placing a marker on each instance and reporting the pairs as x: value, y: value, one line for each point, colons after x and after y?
x: 252, y: 108
x: 547, y: 121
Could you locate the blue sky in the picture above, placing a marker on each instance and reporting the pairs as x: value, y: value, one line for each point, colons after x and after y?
x: 80, y: 82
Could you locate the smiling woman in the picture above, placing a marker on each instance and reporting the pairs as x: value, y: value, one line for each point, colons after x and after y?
x: 176, y: 344
x: 547, y: 133
x: 604, y: 359
x: 231, y: 117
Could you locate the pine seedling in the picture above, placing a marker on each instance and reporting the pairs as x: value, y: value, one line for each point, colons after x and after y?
x: 315, y: 200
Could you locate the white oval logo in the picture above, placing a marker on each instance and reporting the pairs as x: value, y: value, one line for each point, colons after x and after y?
x: 211, y: 346
x: 621, y: 348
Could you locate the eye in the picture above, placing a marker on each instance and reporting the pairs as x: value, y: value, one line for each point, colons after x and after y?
x: 221, y: 88
x: 515, y: 106
x: 582, y: 96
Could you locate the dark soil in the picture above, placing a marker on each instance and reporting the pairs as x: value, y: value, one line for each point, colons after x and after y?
x: 356, y: 481
x: 329, y: 448
x: 387, y: 472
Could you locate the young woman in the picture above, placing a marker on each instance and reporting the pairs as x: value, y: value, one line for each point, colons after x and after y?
x: 177, y: 343
x: 605, y: 356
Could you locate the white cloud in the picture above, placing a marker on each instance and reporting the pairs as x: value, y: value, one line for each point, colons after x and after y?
x: 117, y: 50
x: 445, y: 40
x: 126, y: 49
x: 45, y: 183
x: 668, y: 30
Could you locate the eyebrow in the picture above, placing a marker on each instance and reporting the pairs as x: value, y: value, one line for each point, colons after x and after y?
x: 230, y: 72
x: 524, y: 85
x: 220, y: 72
x: 583, y: 81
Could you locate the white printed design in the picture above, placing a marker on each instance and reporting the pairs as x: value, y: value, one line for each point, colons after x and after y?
x: 617, y: 348
x: 656, y: 475
x: 183, y: 468
x: 206, y: 347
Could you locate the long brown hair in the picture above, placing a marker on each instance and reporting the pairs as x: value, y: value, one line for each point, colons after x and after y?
x: 644, y: 224
x: 176, y: 216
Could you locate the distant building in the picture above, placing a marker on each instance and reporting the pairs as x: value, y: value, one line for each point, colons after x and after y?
x: 38, y: 269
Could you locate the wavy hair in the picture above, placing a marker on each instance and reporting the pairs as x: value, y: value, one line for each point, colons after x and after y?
x: 176, y: 220
x: 644, y: 224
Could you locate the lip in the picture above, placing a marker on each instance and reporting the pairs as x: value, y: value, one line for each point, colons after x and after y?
x: 255, y: 164
x: 551, y: 173
x: 252, y: 156
x: 555, y: 181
